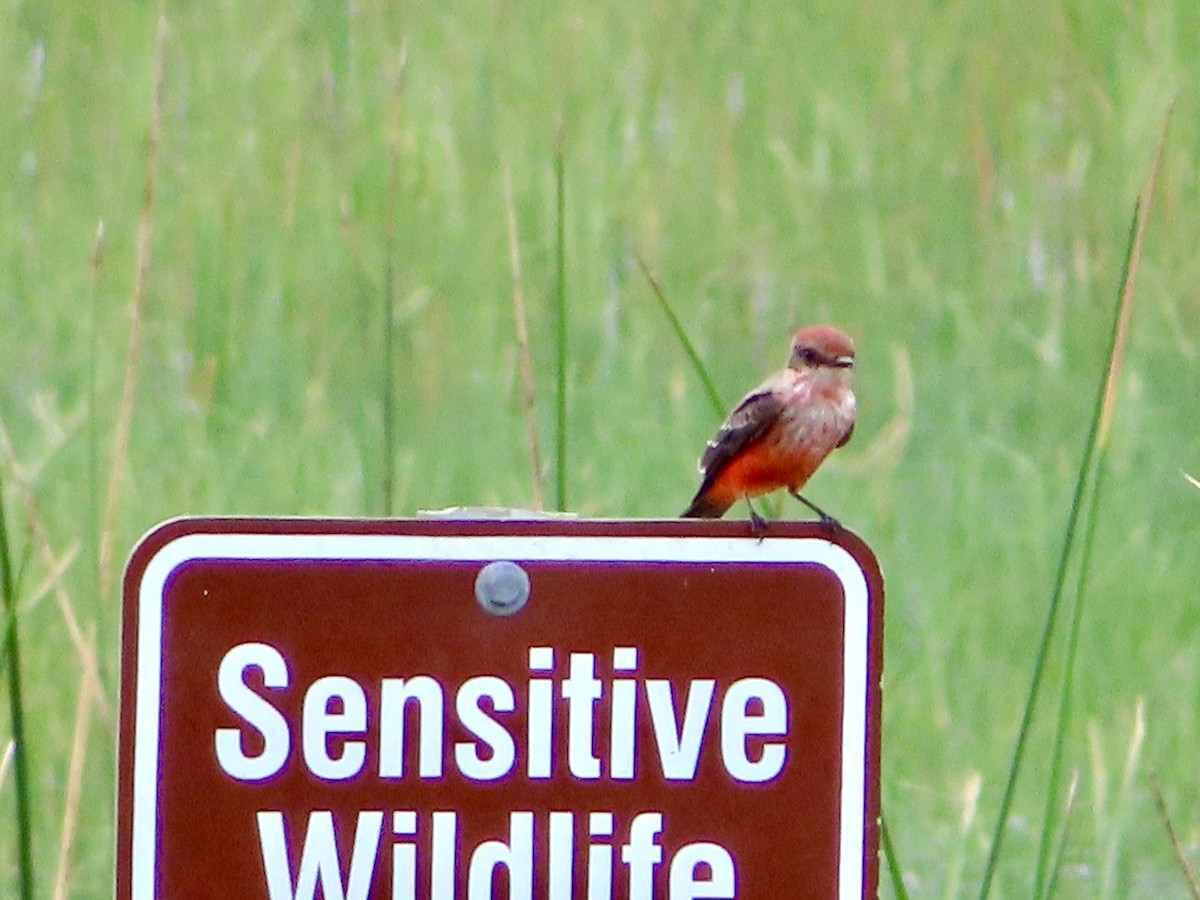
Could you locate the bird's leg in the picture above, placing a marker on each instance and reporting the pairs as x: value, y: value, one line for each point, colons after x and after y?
x: 827, y: 520
x: 758, y: 525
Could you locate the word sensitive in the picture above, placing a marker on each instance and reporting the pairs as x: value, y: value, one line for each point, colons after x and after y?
x: 396, y: 730
x: 336, y: 715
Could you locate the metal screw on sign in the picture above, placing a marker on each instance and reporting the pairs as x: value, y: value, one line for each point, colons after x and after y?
x: 502, y: 588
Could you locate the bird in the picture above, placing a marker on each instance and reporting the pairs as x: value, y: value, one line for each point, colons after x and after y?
x: 781, y: 432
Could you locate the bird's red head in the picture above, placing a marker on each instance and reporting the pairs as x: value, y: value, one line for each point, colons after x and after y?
x: 821, y: 346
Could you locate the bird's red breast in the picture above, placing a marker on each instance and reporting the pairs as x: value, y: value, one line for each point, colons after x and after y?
x: 809, y: 423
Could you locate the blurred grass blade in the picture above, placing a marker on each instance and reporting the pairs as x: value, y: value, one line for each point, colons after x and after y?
x: 93, y: 427
x: 387, y: 398
x: 893, y: 862
x: 24, y: 810
x: 954, y: 861
x: 524, y: 356
x: 92, y: 535
x: 560, y: 294
x: 1060, y: 849
x: 1097, y: 439
x: 1118, y: 821
x: 1045, y: 876
x: 713, y: 397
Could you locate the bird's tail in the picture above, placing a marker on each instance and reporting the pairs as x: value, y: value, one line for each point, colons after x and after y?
x: 704, y: 506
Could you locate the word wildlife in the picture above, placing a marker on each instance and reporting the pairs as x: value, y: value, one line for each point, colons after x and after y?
x: 346, y: 732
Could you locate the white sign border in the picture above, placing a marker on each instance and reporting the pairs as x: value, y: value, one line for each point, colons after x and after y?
x: 485, y: 548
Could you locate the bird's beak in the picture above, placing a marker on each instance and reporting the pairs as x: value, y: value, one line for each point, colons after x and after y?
x: 844, y: 362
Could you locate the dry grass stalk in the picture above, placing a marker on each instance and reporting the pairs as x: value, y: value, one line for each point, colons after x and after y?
x: 6, y: 758
x: 394, y: 115
x: 137, y: 312
x: 56, y: 567
x: 1185, y: 867
x: 70, y: 820
x: 528, y: 385
x: 1127, y: 290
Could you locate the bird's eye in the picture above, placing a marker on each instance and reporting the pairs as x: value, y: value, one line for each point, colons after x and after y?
x: 806, y: 354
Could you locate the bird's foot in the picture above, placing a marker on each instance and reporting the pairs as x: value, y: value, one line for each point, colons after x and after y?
x: 758, y: 525
x: 828, y: 522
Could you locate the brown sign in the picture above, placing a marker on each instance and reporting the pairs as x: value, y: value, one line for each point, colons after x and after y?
x: 467, y: 710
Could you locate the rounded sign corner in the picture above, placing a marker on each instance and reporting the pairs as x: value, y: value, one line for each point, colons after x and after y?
x: 152, y: 542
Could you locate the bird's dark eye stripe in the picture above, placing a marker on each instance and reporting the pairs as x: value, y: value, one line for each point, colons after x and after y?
x: 815, y: 357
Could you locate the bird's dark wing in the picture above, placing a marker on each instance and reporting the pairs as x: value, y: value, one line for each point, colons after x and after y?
x: 745, y: 424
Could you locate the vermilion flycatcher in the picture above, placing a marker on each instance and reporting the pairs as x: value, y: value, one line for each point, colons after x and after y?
x: 783, y: 429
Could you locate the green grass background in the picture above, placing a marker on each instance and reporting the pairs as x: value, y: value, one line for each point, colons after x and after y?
x: 951, y: 182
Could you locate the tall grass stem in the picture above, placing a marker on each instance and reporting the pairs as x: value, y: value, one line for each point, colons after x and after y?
x: 689, y: 348
x: 137, y: 310
x: 1108, y: 405
x: 1039, y: 663
x: 560, y: 322
x: 92, y: 536
x: 70, y: 819
x: 1097, y: 435
x: 55, y: 565
x: 388, y: 381
x: 12, y: 648
x: 525, y: 357
x: 892, y: 860
x: 1044, y: 876
x: 1056, y: 862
